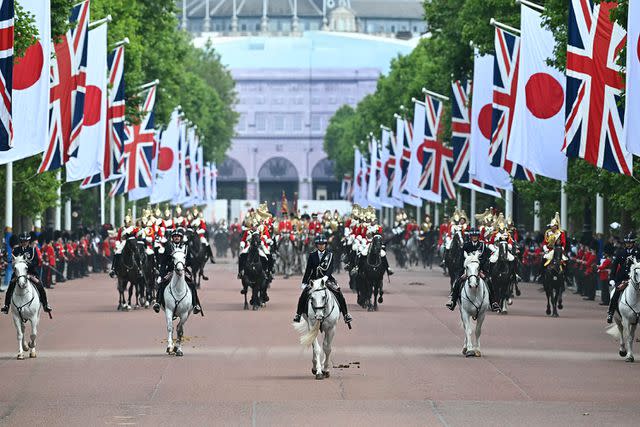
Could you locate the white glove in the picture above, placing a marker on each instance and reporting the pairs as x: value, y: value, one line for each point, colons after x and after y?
x: 303, y: 285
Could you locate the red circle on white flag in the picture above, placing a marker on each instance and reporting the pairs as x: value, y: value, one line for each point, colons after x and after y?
x: 92, y: 104
x: 165, y: 159
x: 484, y: 120
x: 544, y: 95
x: 28, y: 69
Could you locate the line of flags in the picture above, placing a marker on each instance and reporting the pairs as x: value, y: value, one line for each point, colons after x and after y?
x: 525, y: 118
x: 69, y: 105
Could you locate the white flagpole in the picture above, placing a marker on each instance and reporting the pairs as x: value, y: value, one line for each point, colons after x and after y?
x: 67, y: 215
x: 8, y: 205
x: 122, y: 208
x: 472, y: 208
x: 58, y: 214
x: 563, y: 206
x: 436, y: 214
x: 112, y: 211
x: 458, y: 200
x: 599, y: 214
x: 102, y: 202
x: 508, y: 204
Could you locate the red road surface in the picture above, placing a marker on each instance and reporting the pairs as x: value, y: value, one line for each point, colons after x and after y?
x: 96, y: 366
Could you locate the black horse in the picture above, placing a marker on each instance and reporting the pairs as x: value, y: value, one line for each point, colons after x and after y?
x: 129, y: 273
x: 198, y: 257
x: 335, y: 245
x: 221, y: 241
x: 234, y: 243
x: 149, y: 276
x: 372, y: 271
x: 254, y: 275
x: 454, y: 259
x: 427, y: 249
x: 553, y: 282
x: 501, y: 276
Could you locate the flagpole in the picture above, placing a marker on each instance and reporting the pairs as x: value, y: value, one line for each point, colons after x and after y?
x: 563, y: 205
x: 8, y: 221
x: 536, y: 216
x: 58, y: 214
x: 532, y: 5
x: 112, y: 211
x: 436, y: 214
x: 502, y: 26
x: 508, y: 204
x: 121, y: 42
x: 122, y: 208
x: 102, y: 203
x: 599, y: 214
x: 94, y: 24
x: 472, y: 208
x: 435, y: 94
x: 67, y: 215
x: 458, y: 199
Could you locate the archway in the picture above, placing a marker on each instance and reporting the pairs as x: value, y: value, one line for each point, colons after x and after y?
x: 276, y: 175
x: 325, y: 184
x: 232, y: 180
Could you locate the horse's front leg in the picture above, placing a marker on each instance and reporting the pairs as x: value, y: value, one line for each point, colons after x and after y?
x: 180, y: 332
x: 317, y: 359
x: 548, y: 301
x: 554, y: 302
x: 34, y: 334
x: 326, y: 347
x: 375, y: 298
x: 20, y: 335
x: 465, y: 319
x: 131, y: 285
x: 630, y: 331
x: 255, y: 294
x: 169, y: 318
x: 478, y: 332
x: 469, y: 331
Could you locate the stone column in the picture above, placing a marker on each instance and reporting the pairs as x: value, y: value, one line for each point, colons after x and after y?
x: 183, y: 24
x: 234, y: 18
x: 536, y: 216
x: 599, y: 214
x: 206, y: 23
x: 264, y: 24
x: 563, y: 207
x: 294, y: 20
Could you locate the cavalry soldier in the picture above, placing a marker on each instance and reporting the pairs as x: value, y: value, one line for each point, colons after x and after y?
x: 124, y: 232
x: 315, y: 226
x: 29, y: 253
x: 426, y: 225
x: 319, y: 265
x: 166, y: 271
x: 169, y: 223
x: 458, y: 227
x: 257, y: 222
x: 199, y: 225
x: 370, y: 228
x: 443, y: 230
x: 620, y: 267
x: 551, y: 236
x: 472, y: 246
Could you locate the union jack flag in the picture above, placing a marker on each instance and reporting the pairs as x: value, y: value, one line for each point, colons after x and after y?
x: 66, y: 98
x: 139, y: 150
x: 389, y: 167
x: 461, y: 135
x: 594, y: 122
x: 405, y: 158
x: 188, y: 164
x: 116, y: 135
x: 505, y: 85
x: 6, y: 73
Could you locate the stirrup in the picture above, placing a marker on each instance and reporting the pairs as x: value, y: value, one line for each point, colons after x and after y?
x: 297, y: 318
x: 495, y: 307
x: 156, y: 307
x: 609, y: 317
x: 196, y: 309
x: 347, y: 318
x: 5, y: 309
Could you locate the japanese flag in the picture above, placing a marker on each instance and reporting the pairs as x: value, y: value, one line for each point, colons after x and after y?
x: 537, y: 132
x: 31, y: 89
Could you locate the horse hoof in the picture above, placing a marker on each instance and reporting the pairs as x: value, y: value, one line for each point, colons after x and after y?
x: 319, y: 376
x: 477, y: 353
x: 548, y: 311
x: 246, y: 306
x: 560, y: 306
x: 179, y: 353
x: 33, y: 354
x: 146, y: 304
x: 326, y: 374
x: 470, y: 353
x: 169, y: 350
x: 313, y: 371
x: 369, y: 308
x: 20, y: 356
x: 510, y: 301
x: 464, y: 351
x: 518, y: 293
x: 622, y: 353
x: 629, y: 359
x: 555, y: 315
x: 380, y: 300
x: 255, y: 307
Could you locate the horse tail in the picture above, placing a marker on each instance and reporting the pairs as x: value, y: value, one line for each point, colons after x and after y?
x: 307, y: 336
x: 614, y: 331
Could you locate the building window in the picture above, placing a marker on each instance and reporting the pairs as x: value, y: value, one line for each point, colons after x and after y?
x: 259, y: 100
x: 243, y: 27
x: 261, y: 122
x: 297, y: 122
x: 315, y: 100
x: 332, y: 100
x: 242, y: 123
x: 316, y: 122
x: 278, y: 123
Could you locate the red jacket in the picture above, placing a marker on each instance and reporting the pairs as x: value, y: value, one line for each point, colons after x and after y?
x: 604, y: 269
x: 443, y: 230
x: 49, y: 254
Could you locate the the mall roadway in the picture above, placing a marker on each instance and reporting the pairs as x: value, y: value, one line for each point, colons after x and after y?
x: 97, y: 366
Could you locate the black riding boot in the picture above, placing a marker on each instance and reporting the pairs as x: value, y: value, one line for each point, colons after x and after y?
x: 209, y: 254
x: 242, y: 261
x: 160, y: 296
x: 195, y: 301
x: 455, y: 293
x: 342, y: 303
x: 303, y: 301
x: 42, y: 294
x: 115, y: 264
x: 613, y: 304
x: 8, y: 295
x: 385, y: 264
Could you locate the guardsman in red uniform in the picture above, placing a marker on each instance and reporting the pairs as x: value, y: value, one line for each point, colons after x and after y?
x: 443, y: 230
x: 315, y: 226
x: 49, y: 260
x: 124, y: 232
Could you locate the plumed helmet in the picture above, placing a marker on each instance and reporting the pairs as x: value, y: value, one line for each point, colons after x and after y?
x: 630, y: 237
x: 178, y: 210
x: 320, y: 239
x: 556, y: 220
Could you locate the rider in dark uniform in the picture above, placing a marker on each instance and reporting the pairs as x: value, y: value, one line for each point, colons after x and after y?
x: 29, y: 253
x: 166, y: 270
x: 620, y: 267
x: 473, y: 245
x: 320, y: 264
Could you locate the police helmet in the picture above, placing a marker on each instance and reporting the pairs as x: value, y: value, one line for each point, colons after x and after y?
x: 630, y: 238
x: 320, y: 239
x: 24, y: 237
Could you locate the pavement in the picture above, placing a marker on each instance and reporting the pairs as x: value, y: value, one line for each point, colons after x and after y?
x: 400, y: 366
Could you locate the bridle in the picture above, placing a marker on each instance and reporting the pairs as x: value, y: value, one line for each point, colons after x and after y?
x: 466, y: 294
x: 28, y: 303
x: 323, y: 307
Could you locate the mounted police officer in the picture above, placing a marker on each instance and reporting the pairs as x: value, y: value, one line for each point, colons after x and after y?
x: 472, y: 246
x: 29, y: 254
x: 166, y: 270
x: 620, y: 267
x: 320, y: 264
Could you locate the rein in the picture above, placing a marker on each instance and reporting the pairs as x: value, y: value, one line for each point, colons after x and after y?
x: 466, y: 294
x: 23, y: 306
x: 324, y: 307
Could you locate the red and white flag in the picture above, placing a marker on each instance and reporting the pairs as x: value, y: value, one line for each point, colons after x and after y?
x: 91, y: 144
x: 632, y: 124
x: 31, y: 88
x: 537, y: 132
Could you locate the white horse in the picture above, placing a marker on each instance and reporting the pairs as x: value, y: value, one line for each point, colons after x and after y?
x: 177, y: 302
x: 628, y: 314
x: 322, y: 316
x: 474, y: 303
x: 25, y: 307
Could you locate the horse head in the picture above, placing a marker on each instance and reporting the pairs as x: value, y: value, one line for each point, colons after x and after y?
x: 503, y: 247
x: 376, y: 243
x: 319, y: 297
x: 20, y: 267
x: 634, y: 273
x: 255, y: 239
x: 179, y: 260
x: 472, y: 269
